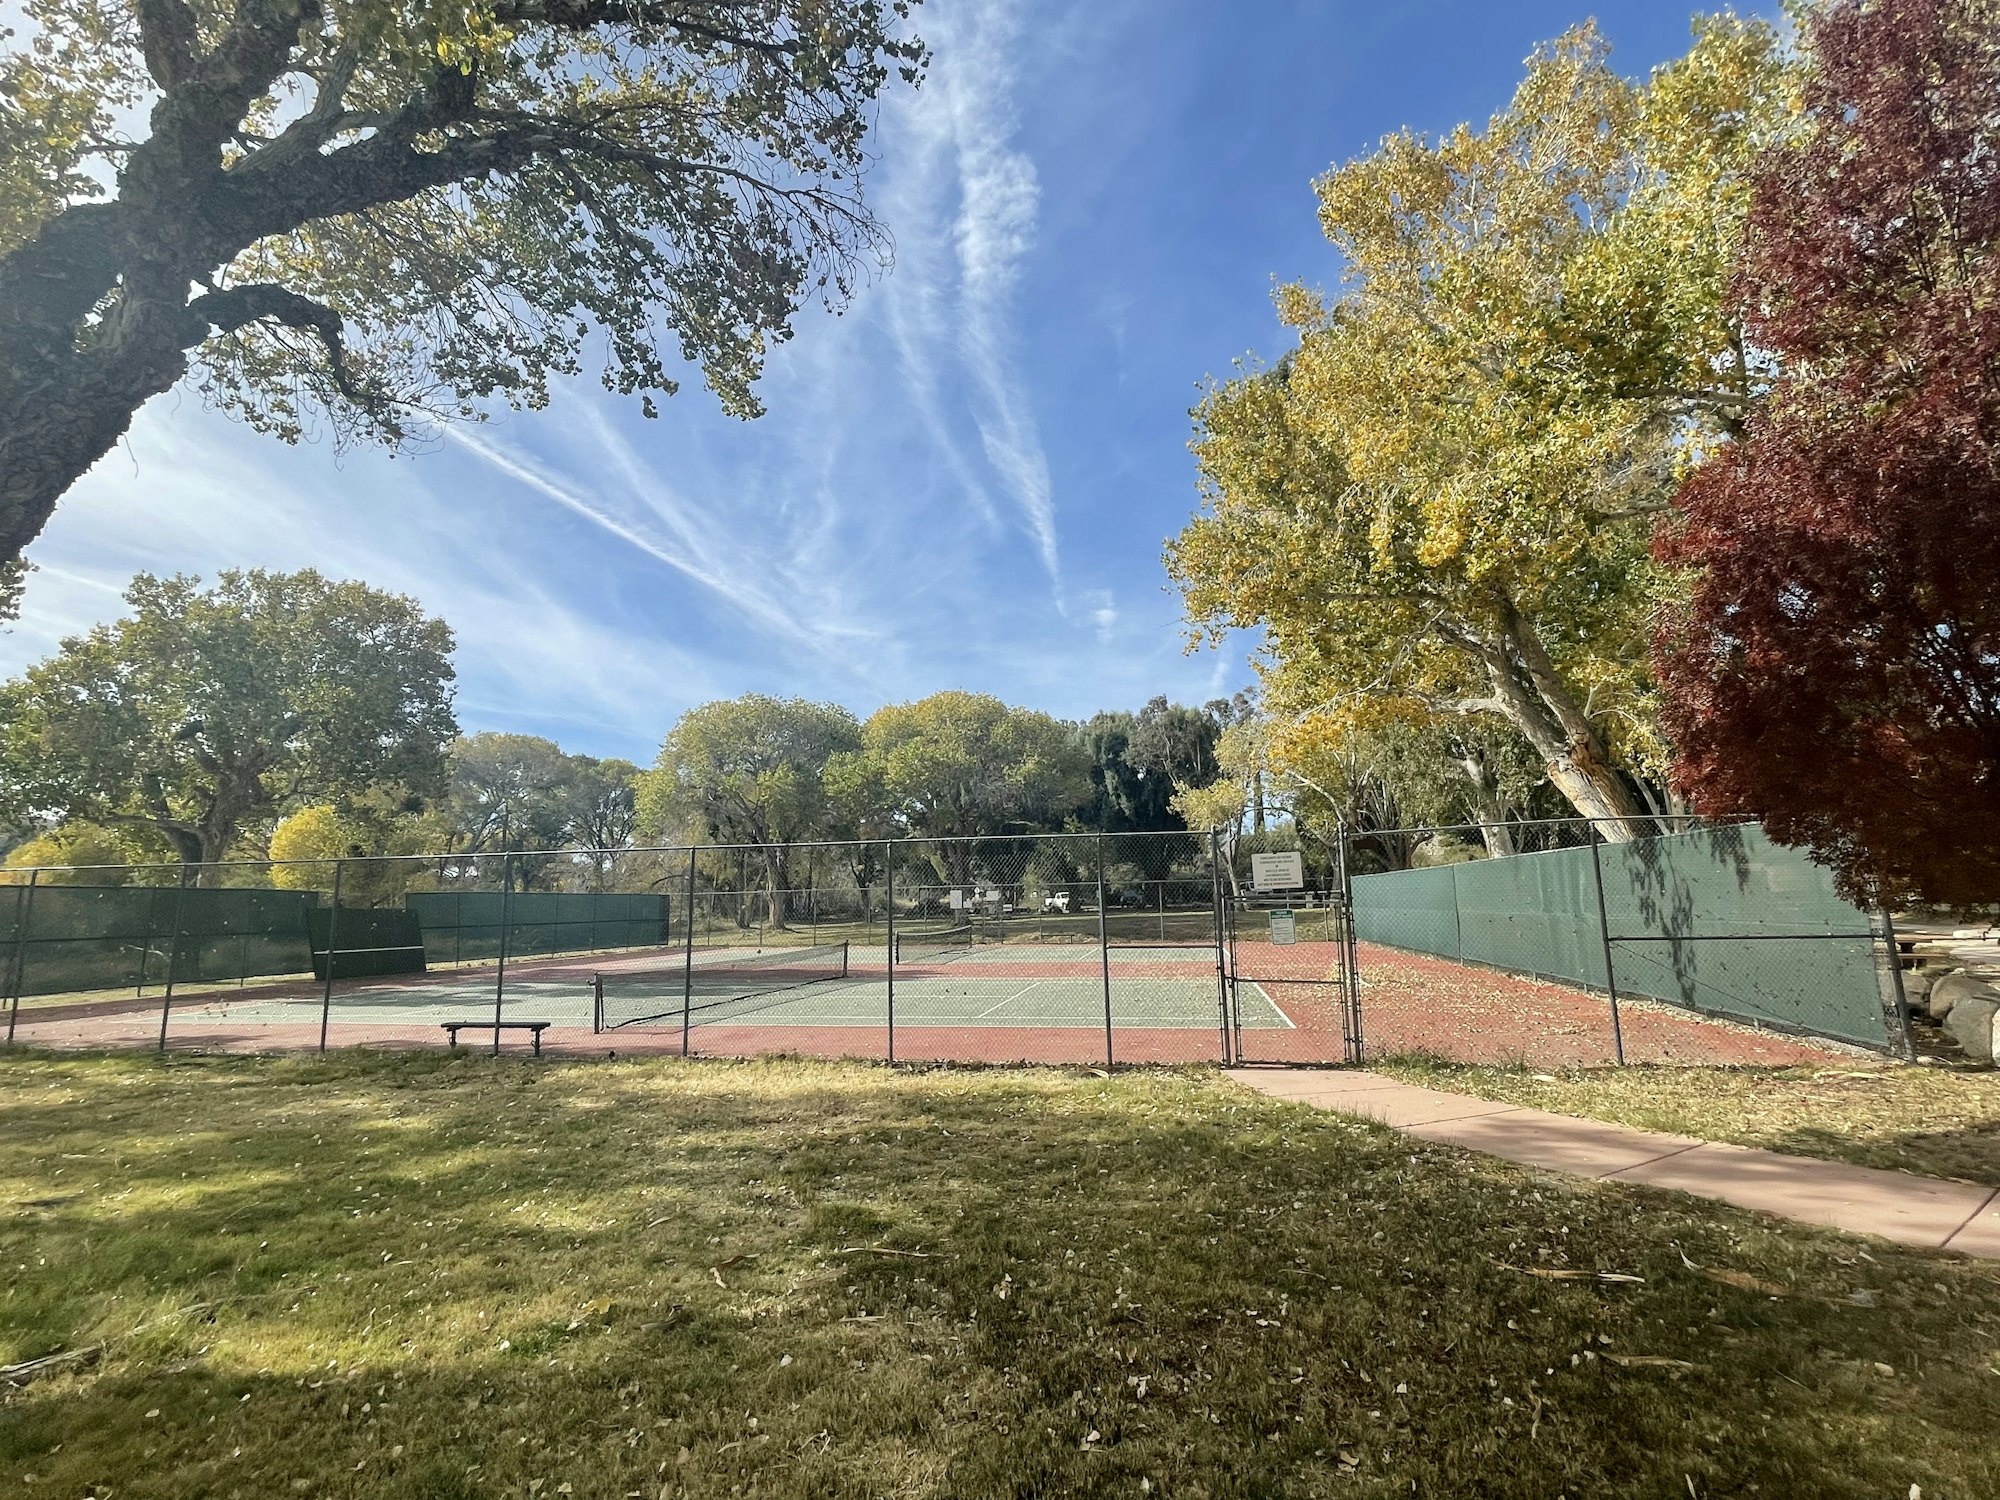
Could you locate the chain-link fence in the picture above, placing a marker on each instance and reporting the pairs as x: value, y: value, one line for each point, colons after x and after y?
x: 1548, y: 943
x: 1082, y: 948
x: 1578, y: 943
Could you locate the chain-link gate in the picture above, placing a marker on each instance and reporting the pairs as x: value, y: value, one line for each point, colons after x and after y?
x: 1290, y: 965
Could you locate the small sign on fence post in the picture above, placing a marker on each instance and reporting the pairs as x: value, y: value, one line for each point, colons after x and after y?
x: 1284, y: 871
x: 1284, y: 926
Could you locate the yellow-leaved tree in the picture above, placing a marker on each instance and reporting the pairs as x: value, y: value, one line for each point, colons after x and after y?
x: 1438, y: 505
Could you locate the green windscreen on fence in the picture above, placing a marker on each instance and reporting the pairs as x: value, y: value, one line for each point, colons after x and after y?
x: 464, y: 926
x: 366, y: 942
x: 76, y: 938
x: 1720, y: 920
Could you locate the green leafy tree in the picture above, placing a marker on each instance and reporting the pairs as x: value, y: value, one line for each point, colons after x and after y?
x: 509, y: 794
x: 957, y: 766
x: 88, y: 854
x: 604, y: 810
x: 1123, y: 798
x: 1176, y: 744
x: 206, y: 709
x: 750, y: 770
x: 378, y: 211
x: 859, y: 813
x: 13, y: 580
x: 373, y: 832
x: 1438, y: 504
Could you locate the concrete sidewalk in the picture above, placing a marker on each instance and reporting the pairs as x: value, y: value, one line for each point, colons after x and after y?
x: 1862, y: 1200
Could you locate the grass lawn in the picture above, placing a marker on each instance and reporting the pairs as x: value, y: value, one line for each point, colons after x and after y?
x: 421, y: 1275
x: 1941, y: 1121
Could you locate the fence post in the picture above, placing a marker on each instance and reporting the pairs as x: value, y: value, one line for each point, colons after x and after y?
x: 687, y: 962
x: 1350, y: 958
x: 1104, y: 951
x: 889, y: 916
x: 24, y: 911
x: 1604, y: 932
x: 173, y: 952
x: 1899, y: 1001
x: 332, y: 934
x: 500, y: 970
x: 1221, y: 968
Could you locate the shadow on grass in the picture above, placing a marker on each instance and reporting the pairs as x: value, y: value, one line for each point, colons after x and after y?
x: 418, y: 1276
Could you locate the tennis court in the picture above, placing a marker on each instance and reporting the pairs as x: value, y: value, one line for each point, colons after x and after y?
x: 993, y: 1003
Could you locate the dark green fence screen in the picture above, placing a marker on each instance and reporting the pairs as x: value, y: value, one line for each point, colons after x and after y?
x: 1720, y: 920
x: 464, y: 926
x: 81, y: 938
x: 367, y: 942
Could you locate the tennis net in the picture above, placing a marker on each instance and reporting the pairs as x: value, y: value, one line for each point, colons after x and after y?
x: 719, y: 991
x: 932, y: 947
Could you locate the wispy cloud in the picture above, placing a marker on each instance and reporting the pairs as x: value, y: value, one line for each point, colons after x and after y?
x: 900, y: 522
x: 958, y: 320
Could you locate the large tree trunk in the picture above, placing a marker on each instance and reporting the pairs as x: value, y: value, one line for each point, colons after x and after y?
x: 776, y: 867
x: 1484, y: 794
x: 1536, y: 700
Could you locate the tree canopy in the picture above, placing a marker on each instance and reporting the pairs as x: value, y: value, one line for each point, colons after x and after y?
x: 1437, y: 505
x: 205, y: 709
x: 1836, y: 666
x: 747, y: 770
x: 750, y: 770
x: 372, y: 213
x: 957, y: 765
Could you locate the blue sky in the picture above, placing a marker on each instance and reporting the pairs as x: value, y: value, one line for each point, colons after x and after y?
x: 964, y: 482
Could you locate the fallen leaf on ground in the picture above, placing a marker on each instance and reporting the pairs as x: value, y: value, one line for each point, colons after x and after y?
x: 1744, y: 1281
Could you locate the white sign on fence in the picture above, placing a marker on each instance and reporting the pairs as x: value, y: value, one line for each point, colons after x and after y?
x: 1284, y: 927
x: 1278, y: 872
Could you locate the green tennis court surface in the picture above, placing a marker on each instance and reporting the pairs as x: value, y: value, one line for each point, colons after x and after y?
x: 968, y: 1001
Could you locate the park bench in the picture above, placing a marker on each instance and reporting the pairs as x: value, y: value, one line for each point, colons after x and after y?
x: 453, y: 1028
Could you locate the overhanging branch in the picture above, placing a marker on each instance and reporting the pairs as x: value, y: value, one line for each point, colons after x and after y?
x: 259, y: 302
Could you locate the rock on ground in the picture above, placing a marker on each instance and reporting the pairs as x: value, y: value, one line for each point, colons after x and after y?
x: 1971, y: 1025
x: 1946, y: 993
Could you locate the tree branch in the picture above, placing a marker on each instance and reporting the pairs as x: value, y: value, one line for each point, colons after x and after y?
x: 168, y: 38
x: 235, y: 307
x: 583, y: 15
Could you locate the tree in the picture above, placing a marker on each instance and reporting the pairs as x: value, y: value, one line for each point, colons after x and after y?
x: 604, y: 802
x: 859, y: 814
x: 84, y: 853
x: 13, y: 579
x: 750, y: 770
x: 370, y: 833
x: 1437, y: 504
x: 1176, y: 744
x: 509, y: 794
x: 958, y: 766
x: 1836, y: 668
x: 524, y: 795
x: 203, y: 710
x: 1124, y: 798
x: 384, y: 210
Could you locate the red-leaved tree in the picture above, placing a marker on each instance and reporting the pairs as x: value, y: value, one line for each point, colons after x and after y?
x: 1836, y: 667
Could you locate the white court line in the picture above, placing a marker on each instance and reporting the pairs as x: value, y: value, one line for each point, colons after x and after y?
x: 1276, y: 1009
x: 1020, y: 994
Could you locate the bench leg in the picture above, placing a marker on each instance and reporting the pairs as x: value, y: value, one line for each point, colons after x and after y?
x: 538, y: 1043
